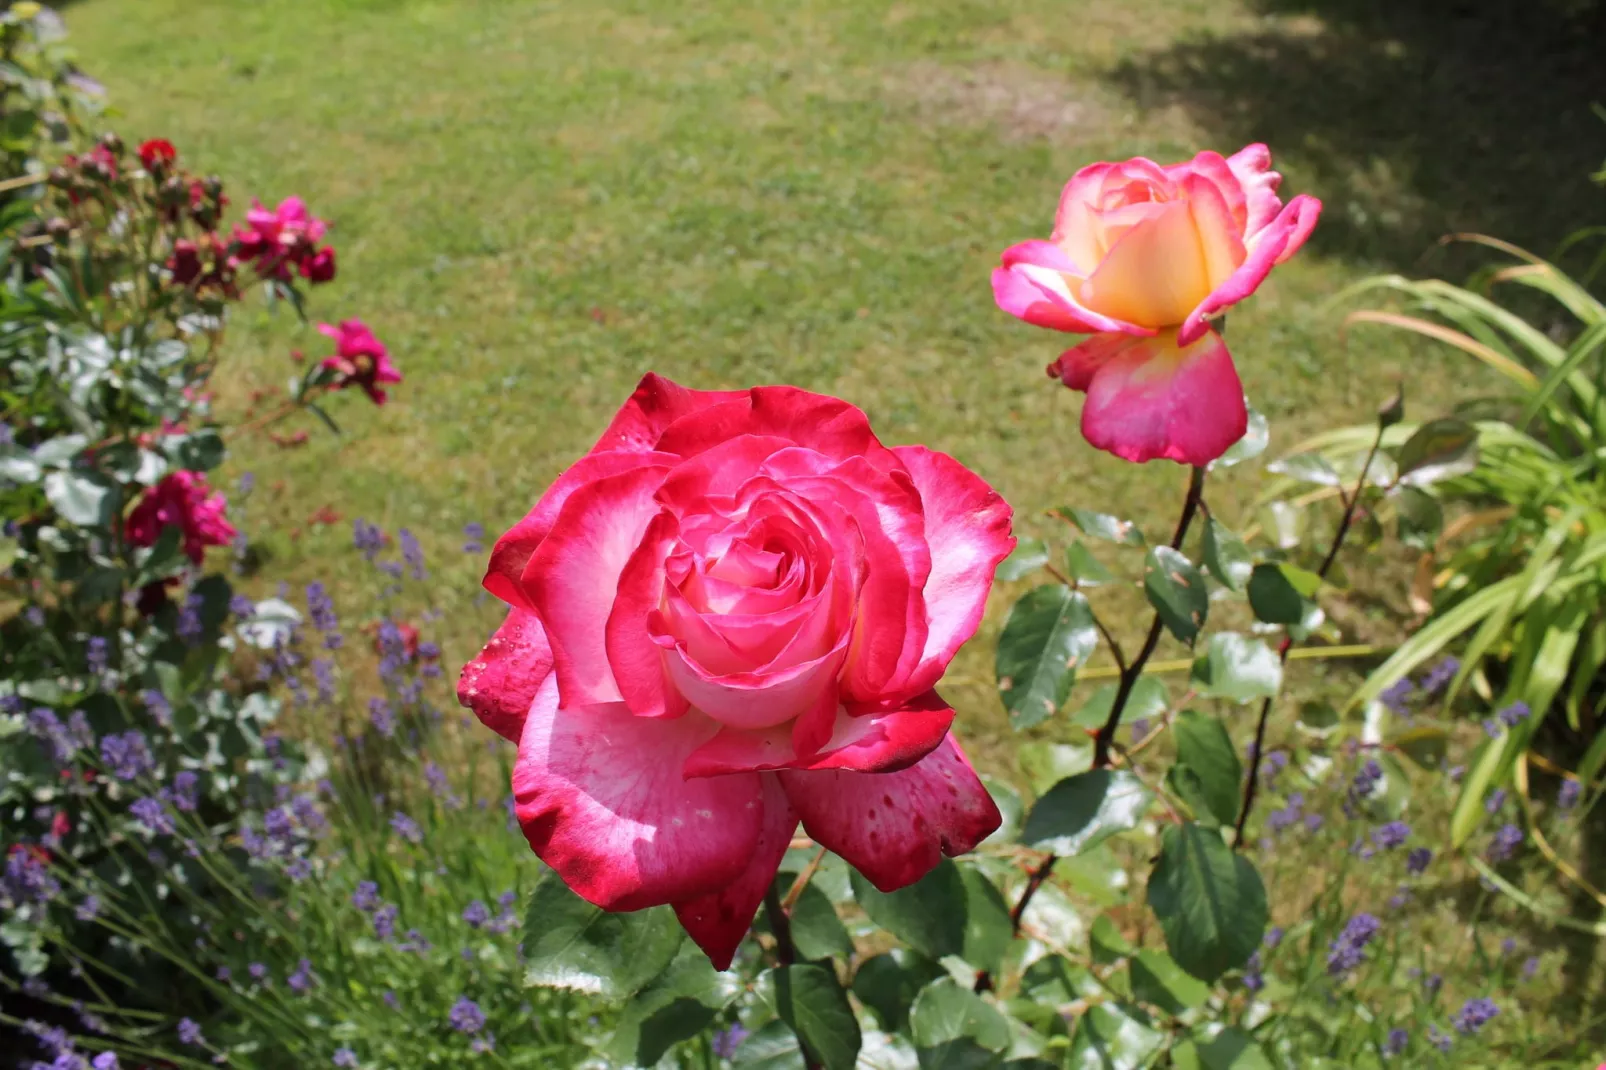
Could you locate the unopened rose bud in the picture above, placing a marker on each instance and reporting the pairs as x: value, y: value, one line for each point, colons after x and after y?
x: 111, y: 143
x: 212, y: 186
x: 174, y: 191
x: 60, y: 177
x: 59, y: 230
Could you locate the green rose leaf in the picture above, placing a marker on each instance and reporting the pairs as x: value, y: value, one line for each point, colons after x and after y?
x: 988, y: 930
x: 18, y: 465
x: 573, y: 945
x: 1113, y: 1036
x: 1029, y: 556
x: 1106, y: 943
x: 198, y: 451
x: 888, y: 984
x: 817, y: 932
x: 1226, y: 556
x: 85, y: 498
x: 1177, y: 592
x: 1210, y: 901
x: 1083, y: 811
x: 1252, y: 445
x: 944, y: 1010
x: 773, y: 1047
x: 1148, y: 700
x: 1237, y: 667
x: 1420, y: 517
x: 1084, y: 568
x: 928, y: 915
x: 808, y: 998
x: 1205, y: 749
x: 1158, y: 980
x: 1307, y: 468
x: 680, y: 1004
x: 1048, y: 636
x: 1280, y: 594
x: 1229, y: 1048
x: 1103, y: 526
x: 1438, y: 450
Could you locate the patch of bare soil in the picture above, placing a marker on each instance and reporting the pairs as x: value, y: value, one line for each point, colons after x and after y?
x: 1017, y: 102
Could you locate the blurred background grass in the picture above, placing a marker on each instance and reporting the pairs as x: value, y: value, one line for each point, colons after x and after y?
x: 534, y: 203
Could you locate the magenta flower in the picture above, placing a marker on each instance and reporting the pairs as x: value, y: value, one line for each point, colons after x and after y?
x: 286, y: 238
x: 185, y: 500
x: 360, y: 359
x: 1142, y: 257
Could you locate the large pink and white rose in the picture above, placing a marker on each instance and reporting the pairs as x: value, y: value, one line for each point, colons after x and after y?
x: 728, y: 618
x: 1142, y: 257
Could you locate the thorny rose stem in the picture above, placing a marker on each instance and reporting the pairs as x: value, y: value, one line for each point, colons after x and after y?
x: 1130, y: 671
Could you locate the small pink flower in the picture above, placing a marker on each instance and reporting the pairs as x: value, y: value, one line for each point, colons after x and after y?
x: 729, y: 617
x: 185, y: 500
x: 360, y: 359
x: 1141, y: 257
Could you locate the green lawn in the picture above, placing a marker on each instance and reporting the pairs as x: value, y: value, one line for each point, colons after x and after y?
x: 534, y: 203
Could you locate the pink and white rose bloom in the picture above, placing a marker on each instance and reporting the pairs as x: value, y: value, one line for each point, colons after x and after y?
x: 726, y: 619
x: 1142, y: 257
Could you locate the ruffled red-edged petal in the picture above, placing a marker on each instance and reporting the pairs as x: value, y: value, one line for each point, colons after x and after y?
x: 826, y: 424
x: 502, y: 681
x: 869, y: 741
x: 656, y: 403
x: 601, y: 798
x: 895, y: 827
x: 511, y: 554
x: 968, y: 533
x: 636, y: 661
x: 1149, y: 398
x: 718, y: 921
x: 1275, y: 242
x: 573, y: 577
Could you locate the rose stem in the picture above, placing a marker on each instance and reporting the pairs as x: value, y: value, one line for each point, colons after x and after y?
x: 1130, y: 672
x: 1350, y: 505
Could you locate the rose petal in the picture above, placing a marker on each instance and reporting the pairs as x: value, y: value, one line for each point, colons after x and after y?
x: 601, y: 798
x: 1275, y: 243
x: 756, y: 699
x: 656, y: 403
x: 894, y: 827
x: 502, y: 681
x: 636, y: 661
x: 1251, y: 165
x: 719, y: 921
x: 1149, y: 398
x: 1218, y: 172
x: 967, y: 531
x: 871, y: 741
x: 1031, y: 284
x: 511, y: 554
x: 1220, y: 235
x: 826, y: 424
x: 573, y: 577
x: 1155, y: 275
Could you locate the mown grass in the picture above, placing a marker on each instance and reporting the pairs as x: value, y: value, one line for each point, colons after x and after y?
x: 534, y: 203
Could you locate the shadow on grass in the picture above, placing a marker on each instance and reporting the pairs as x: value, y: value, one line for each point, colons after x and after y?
x: 1410, y: 118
